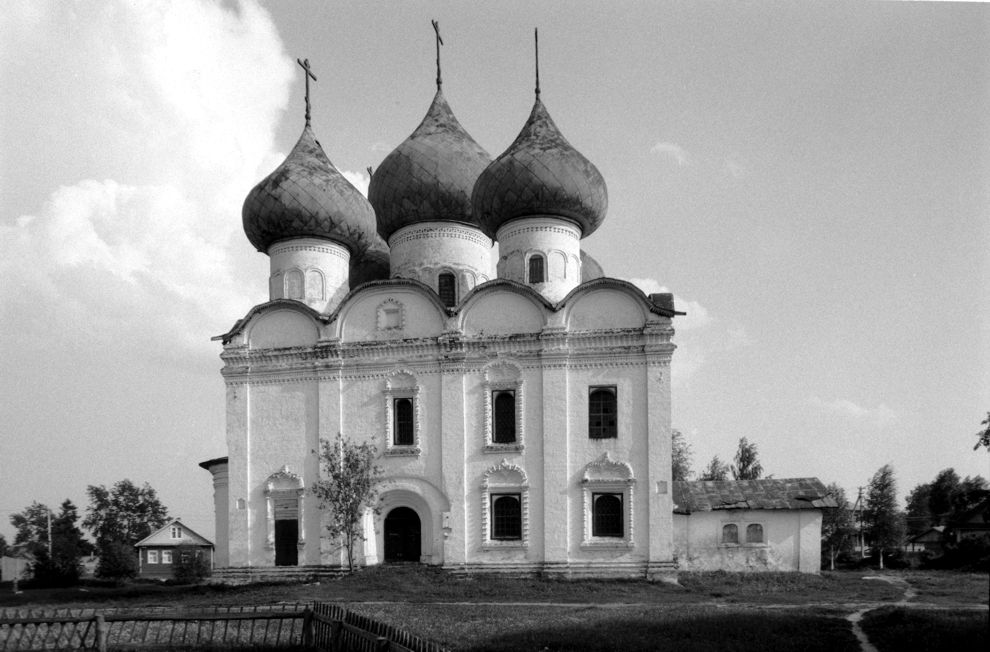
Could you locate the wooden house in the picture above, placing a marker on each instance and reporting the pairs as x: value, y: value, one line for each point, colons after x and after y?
x: 169, y: 545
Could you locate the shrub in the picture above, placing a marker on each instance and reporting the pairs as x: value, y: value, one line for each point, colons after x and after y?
x: 190, y: 565
x: 118, y: 561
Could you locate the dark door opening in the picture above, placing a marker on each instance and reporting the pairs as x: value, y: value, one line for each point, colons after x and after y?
x: 402, y: 535
x: 287, y: 542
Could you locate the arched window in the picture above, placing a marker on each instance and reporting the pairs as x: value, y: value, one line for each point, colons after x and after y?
x: 504, y: 417
x: 606, y: 515
x: 447, y: 288
x: 506, y: 517
x: 730, y: 533
x: 602, y: 413
x: 537, y: 269
x: 403, y: 432
x: 754, y: 533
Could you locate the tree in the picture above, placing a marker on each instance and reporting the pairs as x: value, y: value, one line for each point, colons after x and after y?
x: 983, y: 435
x: 943, y: 488
x: 918, y: 513
x: 716, y: 470
x: 56, y: 564
x: 32, y: 529
x: 126, y: 513
x: 884, y: 526
x: 4, y: 548
x: 347, y: 489
x: 680, y: 456
x: 838, y: 527
x: 747, y: 463
x: 118, y: 561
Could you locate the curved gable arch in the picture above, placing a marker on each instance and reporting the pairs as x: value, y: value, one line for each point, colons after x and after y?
x: 503, y: 307
x: 288, y: 324
x: 386, y: 310
x: 605, y: 303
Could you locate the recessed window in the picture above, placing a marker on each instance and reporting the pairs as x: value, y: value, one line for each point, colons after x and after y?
x: 447, y: 289
x: 754, y: 533
x: 602, y: 413
x: 537, y: 269
x: 504, y: 417
x: 403, y: 432
x: 166, y: 556
x: 730, y: 533
x: 506, y: 517
x: 152, y: 556
x: 606, y: 515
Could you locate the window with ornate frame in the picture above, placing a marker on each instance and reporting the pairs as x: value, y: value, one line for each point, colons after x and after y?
x: 403, y: 416
x: 504, y: 507
x: 503, y: 408
x: 603, y: 412
x: 608, y: 489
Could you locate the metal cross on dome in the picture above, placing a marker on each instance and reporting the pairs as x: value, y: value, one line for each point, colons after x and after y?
x: 436, y: 28
x: 309, y: 75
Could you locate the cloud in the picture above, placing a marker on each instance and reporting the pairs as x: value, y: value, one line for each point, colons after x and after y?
x: 359, y: 180
x: 673, y: 151
x: 880, y: 416
x: 697, y: 315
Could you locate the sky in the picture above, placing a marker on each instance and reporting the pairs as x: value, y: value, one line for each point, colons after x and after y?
x: 809, y: 179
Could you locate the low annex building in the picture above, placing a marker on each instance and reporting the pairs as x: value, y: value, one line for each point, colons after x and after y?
x: 750, y: 525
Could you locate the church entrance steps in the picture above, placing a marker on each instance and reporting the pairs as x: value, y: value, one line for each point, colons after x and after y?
x: 288, y: 574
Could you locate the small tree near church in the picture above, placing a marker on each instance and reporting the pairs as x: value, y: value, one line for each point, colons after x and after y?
x: 347, y: 489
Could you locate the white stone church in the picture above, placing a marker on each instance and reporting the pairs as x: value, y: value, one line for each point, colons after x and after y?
x: 520, y: 399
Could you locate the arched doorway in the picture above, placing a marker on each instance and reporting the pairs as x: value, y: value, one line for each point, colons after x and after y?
x: 402, y: 535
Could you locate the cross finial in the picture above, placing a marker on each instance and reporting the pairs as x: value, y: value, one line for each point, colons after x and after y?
x: 308, y: 75
x: 536, y: 41
x: 436, y: 28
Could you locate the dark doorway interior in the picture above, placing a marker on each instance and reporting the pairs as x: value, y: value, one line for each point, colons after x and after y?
x: 402, y: 535
x: 287, y: 542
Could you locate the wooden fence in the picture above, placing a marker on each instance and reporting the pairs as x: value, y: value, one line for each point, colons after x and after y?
x: 324, y: 627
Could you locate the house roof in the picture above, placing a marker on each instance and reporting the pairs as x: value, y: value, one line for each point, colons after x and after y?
x: 931, y: 535
x: 162, y: 537
x: 785, y: 493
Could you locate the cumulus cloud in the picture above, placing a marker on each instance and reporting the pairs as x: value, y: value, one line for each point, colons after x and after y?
x: 359, y: 180
x: 673, y: 151
x: 880, y: 416
x: 179, y: 101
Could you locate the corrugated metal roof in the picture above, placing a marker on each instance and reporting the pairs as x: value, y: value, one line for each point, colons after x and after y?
x: 785, y: 493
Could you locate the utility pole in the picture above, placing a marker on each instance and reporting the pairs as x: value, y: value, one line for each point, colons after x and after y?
x: 49, y: 533
x: 858, y: 509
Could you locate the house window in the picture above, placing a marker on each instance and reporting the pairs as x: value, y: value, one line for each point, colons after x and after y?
x: 166, y: 556
x: 602, y: 413
x: 730, y: 534
x: 403, y: 432
x: 504, y: 416
x: 537, y: 269
x: 152, y: 556
x: 754, y: 533
x: 176, y: 532
x: 606, y: 515
x: 447, y: 288
x: 506, y: 517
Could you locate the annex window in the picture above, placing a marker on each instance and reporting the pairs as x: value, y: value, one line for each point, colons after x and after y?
x: 754, y: 533
x: 537, y: 269
x: 447, y: 289
x: 166, y: 556
x: 403, y: 431
x: 152, y: 556
x: 730, y: 533
x: 602, y: 413
x: 506, y: 517
x: 504, y: 416
x: 606, y: 515
x: 176, y: 532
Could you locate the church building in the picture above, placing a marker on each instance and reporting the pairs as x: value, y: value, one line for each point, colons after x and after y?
x: 520, y: 399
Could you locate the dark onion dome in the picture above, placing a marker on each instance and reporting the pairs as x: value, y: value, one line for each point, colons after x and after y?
x: 307, y: 197
x: 590, y: 268
x: 540, y: 174
x: 429, y: 177
x: 370, y: 265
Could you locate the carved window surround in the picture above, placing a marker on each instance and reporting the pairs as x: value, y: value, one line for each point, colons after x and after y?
x: 606, y: 475
x: 504, y: 478
x: 503, y: 376
x: 402, y: 384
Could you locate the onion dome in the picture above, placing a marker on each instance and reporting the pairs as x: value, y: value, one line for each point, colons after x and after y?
x: 429, y: 177
x: 590, y: 268
x: 370, y: 265
x: 540, y: 174
x: 306, y: 197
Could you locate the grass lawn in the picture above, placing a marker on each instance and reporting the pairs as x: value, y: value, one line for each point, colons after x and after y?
x: 892, y: 629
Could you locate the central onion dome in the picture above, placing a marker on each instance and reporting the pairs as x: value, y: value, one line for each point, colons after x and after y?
x: 306, y: 197
x: 540, y: 174
x: 429, y: 177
